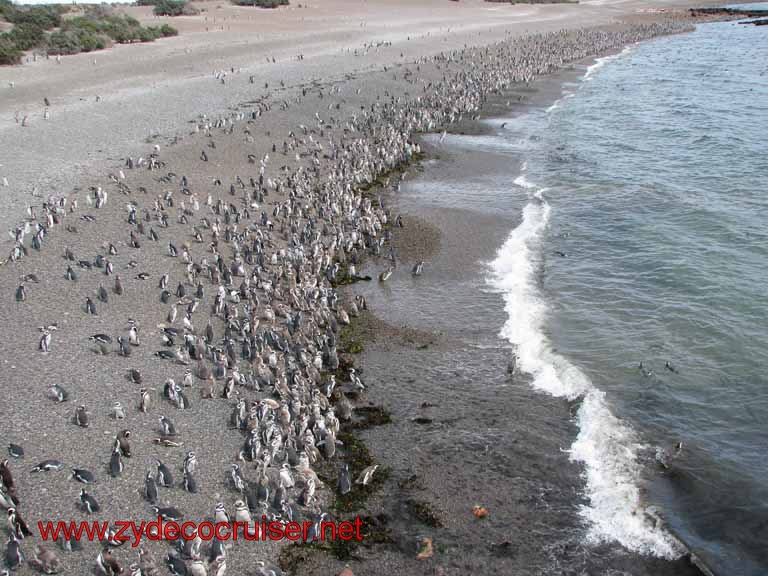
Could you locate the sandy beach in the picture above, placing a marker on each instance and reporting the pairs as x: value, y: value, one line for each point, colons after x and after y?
x: 278, y: 167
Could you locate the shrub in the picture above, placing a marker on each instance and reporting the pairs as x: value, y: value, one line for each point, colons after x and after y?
x: 173, y: 8
x: 42, y: 17
x: 26, y: 36
x: 261, y: 3
x: 167, y: 30
x: 95, y: 29
x: 9, y: 53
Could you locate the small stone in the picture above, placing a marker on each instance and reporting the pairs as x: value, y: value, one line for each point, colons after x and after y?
x: 480, y: 512
x: 425, y: 549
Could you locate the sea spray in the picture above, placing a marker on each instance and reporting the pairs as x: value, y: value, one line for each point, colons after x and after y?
x: 607, y: 447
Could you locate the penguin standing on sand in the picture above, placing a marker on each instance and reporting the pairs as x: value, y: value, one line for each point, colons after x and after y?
x: 88, y: 502
x: 21, y: 293
x: 150, y: 488
x: 90, y: 307
x: 107, y: 564
x: 16, y: 524
x: 45, y: 342
x: 14, y: 557
x: 115, y: 463
x: 164, y: 476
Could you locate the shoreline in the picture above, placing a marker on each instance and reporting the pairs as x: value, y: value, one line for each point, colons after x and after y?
x: 112, y: 218
x: 540, y: 94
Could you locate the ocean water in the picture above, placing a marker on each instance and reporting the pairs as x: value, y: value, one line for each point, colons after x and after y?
x: 642, y: 239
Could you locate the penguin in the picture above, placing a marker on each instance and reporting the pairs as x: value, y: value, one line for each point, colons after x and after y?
x: 15, y: 451
x: 115, y: 463
x: 150, y: 488
x: 90, y: 307
x: 190, y: 462
x: 88, y: 503
x: 58, y: 393
x: 81, y: 416
x: 169, y: 513
x: 197, y: 568
x: 16, y: 525
x: 189, y: 483
x: 237, y: 479
x: 45, y: 342
x: 144, y: 401
x: 108, y: 565
x: 48, y: 466
x: 345, y: 482
x: 175, y: 564
x: 101, y: 338
x: 14, y: 557
x: 124, y: 349
x: 21, y: 293
x: 122, y: 443
x: 164, y: 476
x: 220, y: 514
x: 7, y: 500
x: 84, y: 476
x: 118, y: 413
x: 133, y: 335
x: 6, y: 478
x: 118, y: 289
x: 167, y: 426
x: 366, y: 475
x: 135, y: 376
x: 418, y: 268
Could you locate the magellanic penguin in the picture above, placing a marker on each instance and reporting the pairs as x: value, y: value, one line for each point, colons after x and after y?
x: 88, y: 503
x: 14, y: 557
x: 108, y: 565
x: 164, y: 476
x: 84, y: 476
x: 150, y: 488
x: 115, y: 463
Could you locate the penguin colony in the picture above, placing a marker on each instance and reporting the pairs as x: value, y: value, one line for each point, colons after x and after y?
x: 252, y: 314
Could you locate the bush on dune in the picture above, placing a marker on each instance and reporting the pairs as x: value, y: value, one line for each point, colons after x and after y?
x: 9, y: 53
x: 173, y: 8
x: 261, y: 3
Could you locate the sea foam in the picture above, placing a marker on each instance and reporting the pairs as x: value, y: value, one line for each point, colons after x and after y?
x: 606, y: 446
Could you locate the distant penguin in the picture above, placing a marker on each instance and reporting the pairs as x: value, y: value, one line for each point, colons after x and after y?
x: 90, y: 307
x: 88, y: 503
x: 81, y: 416
x: 150, y: 488
x: 115, y: 464
x: 21, y: 293
x: 189, y: 483
x: 164, y: 476
x: 84, y: 476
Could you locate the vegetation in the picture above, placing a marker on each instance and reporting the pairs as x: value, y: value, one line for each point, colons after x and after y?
x: 30, y: 24
x: 43, y: 28
x: 261, y: 3
x: 173, y: 8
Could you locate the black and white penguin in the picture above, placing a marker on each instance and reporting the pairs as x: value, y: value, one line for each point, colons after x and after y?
x: 88, y: 502
x: 84, y: 476
x: 150, y: 488
x: 164, y: 475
